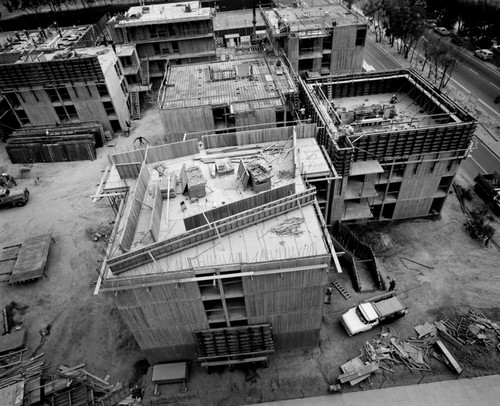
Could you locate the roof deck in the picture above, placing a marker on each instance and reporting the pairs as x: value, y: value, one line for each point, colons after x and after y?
x: 308, y: 22
x: 164, y: 13
x: 255, y: 82
x: 218, y: 193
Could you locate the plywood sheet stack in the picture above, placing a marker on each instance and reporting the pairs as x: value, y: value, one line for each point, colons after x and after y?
x: 193, y: 182
x: 168, y: 185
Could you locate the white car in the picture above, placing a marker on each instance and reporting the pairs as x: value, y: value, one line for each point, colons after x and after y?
x: 484, y: 54
x: 442, y: 31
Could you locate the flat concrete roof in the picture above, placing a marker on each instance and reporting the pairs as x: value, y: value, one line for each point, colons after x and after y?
x: 253, y: 83
x: 315, y: 20
x: 231, y: 20
x: 256, y: 243
x: 164, y: 13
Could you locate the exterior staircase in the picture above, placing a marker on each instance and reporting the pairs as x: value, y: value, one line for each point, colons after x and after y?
x: 135, y: 105
x: 358, y: 258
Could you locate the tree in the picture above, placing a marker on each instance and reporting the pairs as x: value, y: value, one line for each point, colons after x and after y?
x: 478, y: 225
x: 374, y: 9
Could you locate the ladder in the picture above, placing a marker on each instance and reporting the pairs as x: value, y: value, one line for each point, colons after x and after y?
x: 342, y: 291
x: 125, y: 35
x: 135, y: 106
x: 144, y: 72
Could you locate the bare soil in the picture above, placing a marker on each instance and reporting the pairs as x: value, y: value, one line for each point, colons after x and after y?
x: 459, y: 274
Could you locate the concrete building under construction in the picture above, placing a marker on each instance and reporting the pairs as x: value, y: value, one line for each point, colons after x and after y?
x: 248, y: 90
x: 220, y: 255
x: 319, y: 40
x: 180, y: 33
x: 56, y: 77
x: 395, y: 140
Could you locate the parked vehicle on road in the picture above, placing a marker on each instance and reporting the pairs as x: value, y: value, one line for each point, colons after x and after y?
x: 488, y: 188
x: 13, y: 198
x: 442, y: 31
x: 484, y: 54
x: 456, y: 40
x: 372, y: 312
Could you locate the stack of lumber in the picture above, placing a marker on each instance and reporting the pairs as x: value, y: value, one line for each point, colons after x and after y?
x: 55, y: 144
x: 260, y: 176
x: 290, y: 226
x: 168, y: 185
x: 103, y: 392
x: 354, y: 371
x: 193, y: 182
x: 26, y: 374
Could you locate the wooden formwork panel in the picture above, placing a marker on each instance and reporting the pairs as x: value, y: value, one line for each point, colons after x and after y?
x: 132, y: 259
x: 308, y: 298
x: 135, y: 209
x: 155, y: 222
x: 412, y: 208
x: 158, y: 153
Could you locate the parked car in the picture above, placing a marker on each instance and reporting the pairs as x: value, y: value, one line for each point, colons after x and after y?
x: 372, y: 312
x: 484, y: 54
x: 13, y: 198
x: 456, y: 40
x: 496, y: 50
x: 442, y: 31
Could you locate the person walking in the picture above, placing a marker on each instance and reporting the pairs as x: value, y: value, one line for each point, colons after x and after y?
x: 392, y: 284
x: 141, y: 140
x: 9, y: 179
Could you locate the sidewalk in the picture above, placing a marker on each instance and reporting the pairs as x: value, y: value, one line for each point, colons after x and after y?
x: 484, y: 391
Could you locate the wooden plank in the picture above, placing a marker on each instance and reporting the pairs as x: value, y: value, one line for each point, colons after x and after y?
x: 32, y: 258
x: 366, y: 369
x: 442, y: 331
x: 454, y: 364
x: 170, y: 373
x: 12, y: 341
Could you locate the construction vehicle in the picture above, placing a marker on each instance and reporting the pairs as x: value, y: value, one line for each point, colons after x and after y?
x: 372, y: 312
x: 13, y: 198
x: 488, y: 188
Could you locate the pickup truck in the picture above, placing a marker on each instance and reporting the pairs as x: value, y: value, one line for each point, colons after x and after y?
x: 13, y: 198
x: 372, y: 312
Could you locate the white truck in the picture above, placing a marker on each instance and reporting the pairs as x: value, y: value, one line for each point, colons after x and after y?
x: 371, y: 312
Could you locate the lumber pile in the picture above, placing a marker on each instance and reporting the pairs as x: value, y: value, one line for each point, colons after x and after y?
x: 260, y: 176
x: 193, y: 182
x: 55, y: 144
x: 25, y: 374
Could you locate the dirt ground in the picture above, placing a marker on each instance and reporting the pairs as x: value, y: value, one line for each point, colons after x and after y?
x: 459, y: 274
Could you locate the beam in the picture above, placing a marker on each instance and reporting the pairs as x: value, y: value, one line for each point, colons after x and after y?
x: 214, y: 277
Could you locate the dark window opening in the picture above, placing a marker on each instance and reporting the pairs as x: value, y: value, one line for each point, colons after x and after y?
x: 103, y: 90
x: 20, y: 95
x: 305, y: 64
x: 61, y: 113
x: 115, y: 125
x: 361, y: 36
x: 12, y: 99
x: 63, y: 92
x: 23, y: 118
x: 108, y: 106
x: 52, y: 93
x: 71, y: 110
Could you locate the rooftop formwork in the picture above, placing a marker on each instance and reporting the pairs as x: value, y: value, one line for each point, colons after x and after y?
x: 414, y: 145
x: 219, y: 241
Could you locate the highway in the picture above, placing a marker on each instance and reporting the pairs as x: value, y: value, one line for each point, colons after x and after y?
x: 471, y: 76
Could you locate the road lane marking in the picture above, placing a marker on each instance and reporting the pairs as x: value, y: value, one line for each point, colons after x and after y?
x: 479, y: 166
x: 498, y: 87
x: 473, y: 71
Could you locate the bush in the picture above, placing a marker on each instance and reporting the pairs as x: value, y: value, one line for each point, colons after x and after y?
x: 478, y: 225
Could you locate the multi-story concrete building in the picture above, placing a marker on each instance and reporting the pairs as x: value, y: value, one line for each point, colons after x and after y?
x: 177, y: 33
x: 51, y: 76
x: 228, y: 243
x: 319, y: 40
x: 396, y: 143
x: 247, y: 90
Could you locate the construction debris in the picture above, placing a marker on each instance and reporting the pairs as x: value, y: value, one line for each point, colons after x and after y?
x: 290, y: 226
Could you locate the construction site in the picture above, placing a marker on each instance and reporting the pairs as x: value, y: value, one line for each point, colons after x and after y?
x: 261, y: 208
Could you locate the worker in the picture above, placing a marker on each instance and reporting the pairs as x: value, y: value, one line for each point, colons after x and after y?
x: 8, y: 179
x: 302, y: 112
x: 394, y: 99
x: 392, y: 284
x: 141, y: 140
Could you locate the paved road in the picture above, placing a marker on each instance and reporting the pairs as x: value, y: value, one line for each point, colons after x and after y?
x: 472, y: 75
